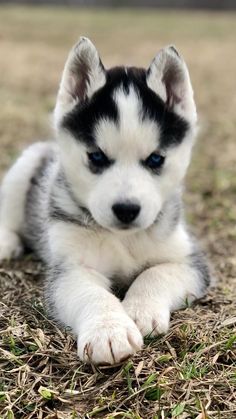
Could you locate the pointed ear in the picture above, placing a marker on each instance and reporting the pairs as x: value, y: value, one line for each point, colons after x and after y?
x: 168, y: 76
x: 83, y: 74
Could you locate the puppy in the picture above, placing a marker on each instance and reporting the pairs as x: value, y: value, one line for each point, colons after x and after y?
x: 102, y: 206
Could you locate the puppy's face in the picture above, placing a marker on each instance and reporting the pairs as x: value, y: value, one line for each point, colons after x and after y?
x: 125, y: 135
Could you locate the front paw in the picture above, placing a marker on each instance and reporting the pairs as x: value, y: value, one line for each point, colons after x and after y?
x: 10, y: 245
x: 109, y: 341
x: 151, y: 317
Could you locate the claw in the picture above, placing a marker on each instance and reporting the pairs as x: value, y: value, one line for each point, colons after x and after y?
x: 88, y: 352
x: 112, y: 352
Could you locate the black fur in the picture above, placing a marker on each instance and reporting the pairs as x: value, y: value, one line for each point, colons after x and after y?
x: 82, y: 119
x: 174, y: 50
x: 118, y: 280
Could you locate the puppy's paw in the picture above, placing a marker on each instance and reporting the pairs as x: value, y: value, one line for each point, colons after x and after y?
x: 109, y: 341
x: 150, y: 316
x: 10, y: 245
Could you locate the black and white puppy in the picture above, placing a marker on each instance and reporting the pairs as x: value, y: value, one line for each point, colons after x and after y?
x: 102, y: 206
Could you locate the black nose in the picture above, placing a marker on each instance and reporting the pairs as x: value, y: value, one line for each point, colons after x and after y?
x: 126, y: 213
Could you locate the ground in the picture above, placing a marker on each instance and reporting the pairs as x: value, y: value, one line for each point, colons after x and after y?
x: 190, y: 372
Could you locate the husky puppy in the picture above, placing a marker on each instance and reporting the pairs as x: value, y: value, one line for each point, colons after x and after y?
x: 102, y: 206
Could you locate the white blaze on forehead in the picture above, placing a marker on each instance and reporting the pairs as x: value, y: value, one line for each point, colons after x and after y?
x: 131, y: 136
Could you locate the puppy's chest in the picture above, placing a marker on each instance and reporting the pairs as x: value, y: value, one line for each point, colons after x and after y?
x: 121, y: 260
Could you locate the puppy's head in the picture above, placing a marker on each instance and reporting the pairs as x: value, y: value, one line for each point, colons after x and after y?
x: 125, y: 134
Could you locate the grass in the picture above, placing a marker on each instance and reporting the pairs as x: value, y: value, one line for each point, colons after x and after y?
x: 190, y: 372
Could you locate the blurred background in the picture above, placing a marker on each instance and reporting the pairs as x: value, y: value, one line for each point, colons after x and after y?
x: 34, y: 42
x: 186, y: 4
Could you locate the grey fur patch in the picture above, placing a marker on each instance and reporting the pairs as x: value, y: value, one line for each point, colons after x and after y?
x: 62, y: 183
x: 54, y: 272
x: 171, y: 214
x: 199, y: 262
x: 80, y: 216
x: 33, y: 232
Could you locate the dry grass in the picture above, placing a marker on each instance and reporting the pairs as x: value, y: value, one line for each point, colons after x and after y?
x: 191, y: 372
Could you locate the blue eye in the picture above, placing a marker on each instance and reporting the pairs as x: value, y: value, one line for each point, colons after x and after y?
x: 154, y: 161
x: 98, y: 159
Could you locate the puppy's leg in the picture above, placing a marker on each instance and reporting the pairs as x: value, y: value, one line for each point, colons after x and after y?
x: 160, y: 290
x: 14, y: 190
x: 80, y: 298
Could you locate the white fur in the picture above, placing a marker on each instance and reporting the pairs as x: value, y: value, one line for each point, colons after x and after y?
x: 164, y: 288
x: 105, y: 332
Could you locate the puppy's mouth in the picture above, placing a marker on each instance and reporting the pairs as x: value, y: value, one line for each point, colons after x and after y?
x: 135, y: 226
x: 125, y: 227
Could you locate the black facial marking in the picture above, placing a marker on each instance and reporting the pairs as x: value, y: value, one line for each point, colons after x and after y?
x: 82, y: 119
x: 172, y: 127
